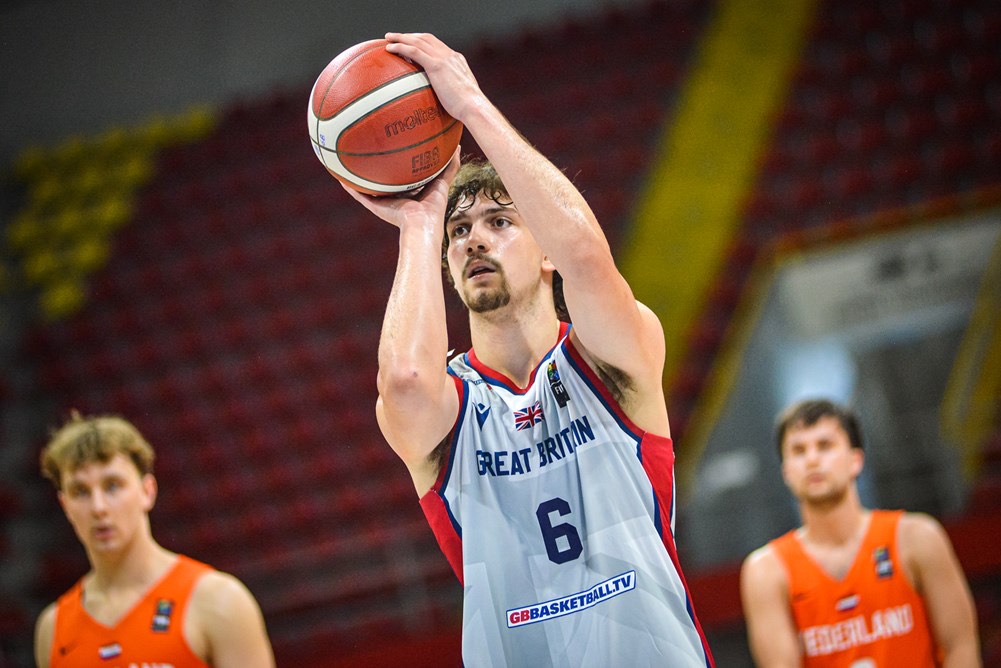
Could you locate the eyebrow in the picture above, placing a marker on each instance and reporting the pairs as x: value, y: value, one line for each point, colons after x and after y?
x: 463, y: 215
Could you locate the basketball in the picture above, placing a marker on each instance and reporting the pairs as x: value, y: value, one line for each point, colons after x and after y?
x: 376, y: 124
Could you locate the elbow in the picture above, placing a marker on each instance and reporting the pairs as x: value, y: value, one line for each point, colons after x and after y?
x: 400, y: 382
x: 588, y: 258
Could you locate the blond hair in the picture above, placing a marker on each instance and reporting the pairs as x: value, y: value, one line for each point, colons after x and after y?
x: 97, y: 438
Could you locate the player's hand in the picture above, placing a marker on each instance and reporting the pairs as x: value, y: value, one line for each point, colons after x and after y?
x: 428, y: 203
x: 448, y: 71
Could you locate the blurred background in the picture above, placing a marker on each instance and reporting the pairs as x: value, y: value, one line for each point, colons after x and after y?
x: 807, y: 192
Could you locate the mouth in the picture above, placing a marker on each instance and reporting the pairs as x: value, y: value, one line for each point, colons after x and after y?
x: 103, y: 532
x: 479, y: 268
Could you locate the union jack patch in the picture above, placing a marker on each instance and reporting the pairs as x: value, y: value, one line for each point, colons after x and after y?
x: 526, y: 418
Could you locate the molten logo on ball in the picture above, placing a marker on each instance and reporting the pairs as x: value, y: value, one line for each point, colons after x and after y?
x: 416, y: 119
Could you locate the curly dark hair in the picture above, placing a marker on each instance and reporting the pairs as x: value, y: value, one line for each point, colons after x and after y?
x: 478, y: 177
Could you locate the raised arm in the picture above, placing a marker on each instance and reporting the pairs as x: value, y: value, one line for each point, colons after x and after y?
x: 771, y: 630
x: 937, y: 576
x: 417, y: 400
x: 613, y: 329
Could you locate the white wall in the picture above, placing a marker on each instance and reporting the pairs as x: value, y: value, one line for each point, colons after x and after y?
x: 82, y: 65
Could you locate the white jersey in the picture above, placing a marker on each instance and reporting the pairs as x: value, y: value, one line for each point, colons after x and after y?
x: 556, y: 513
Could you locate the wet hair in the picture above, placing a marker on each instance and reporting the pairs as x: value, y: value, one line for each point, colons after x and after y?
x: 479, y: 178
x: 85, y: 439
x: 807, y: 413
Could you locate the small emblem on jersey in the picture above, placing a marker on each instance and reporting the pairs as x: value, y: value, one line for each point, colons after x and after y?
x: 109, y: 651
x: 526, y: 418
x: 161, y: 618
x: 884, y: 566
x: 847, y: 603
x: 482, y: 411
x: 556, y: 385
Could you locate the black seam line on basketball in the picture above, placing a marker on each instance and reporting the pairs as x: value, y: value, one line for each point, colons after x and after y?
x: 395, y: 150
x: 369, y: 92
x: 331, y: 83
x: 380, y: 86
x: 341, y: 71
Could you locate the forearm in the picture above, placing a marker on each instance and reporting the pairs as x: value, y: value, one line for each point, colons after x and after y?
x: 553, y: 208
x: 414, y: 340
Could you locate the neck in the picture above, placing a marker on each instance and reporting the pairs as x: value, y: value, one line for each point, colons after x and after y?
x: 834, y: 523
x: 513, y: 343
x: 137, y: 565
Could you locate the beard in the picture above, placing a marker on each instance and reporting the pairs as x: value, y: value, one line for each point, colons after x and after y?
x: 826, y: 498
x: 487, y: 300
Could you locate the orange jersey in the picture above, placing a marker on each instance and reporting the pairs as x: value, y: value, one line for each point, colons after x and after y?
x: 873, y: 617
x: 150, y: 635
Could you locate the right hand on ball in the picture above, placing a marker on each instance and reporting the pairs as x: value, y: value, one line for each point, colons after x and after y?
x: 427, y: 203
x: 448, y: 71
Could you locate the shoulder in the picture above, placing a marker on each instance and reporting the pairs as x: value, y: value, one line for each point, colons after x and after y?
x: 765, y: 559
x: 45, y: 628
x: 764, y: 583
x: 217, y: 591
x: 924, y: 548
x: 920, y: 537
x: 917, y: 532
x: 218, y: 601
x: 226, y: 623
x: 764, y: 568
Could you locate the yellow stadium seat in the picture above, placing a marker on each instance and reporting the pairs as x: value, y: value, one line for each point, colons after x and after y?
x: 62, y: 299
x: 41, y: 265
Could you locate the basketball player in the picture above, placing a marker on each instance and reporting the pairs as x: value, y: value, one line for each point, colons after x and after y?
x: 852, y: 586
x: 140, y: 605
x: 542, y: 456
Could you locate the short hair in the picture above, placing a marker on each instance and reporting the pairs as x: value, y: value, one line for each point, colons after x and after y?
x: 478, y: 177
x: 97, y: 438
x: 808, y: 412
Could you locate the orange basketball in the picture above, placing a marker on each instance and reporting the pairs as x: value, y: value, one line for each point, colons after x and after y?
x: 376, y: 124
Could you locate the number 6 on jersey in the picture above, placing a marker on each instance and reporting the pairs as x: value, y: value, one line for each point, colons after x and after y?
x: 552, y: 533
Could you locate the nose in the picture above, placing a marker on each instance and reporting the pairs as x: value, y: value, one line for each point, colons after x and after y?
x: 812, y: 455
x: 98, y: 504
x: 476, y: 242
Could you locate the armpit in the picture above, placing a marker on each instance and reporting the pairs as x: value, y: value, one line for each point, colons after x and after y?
x: 617, y: 381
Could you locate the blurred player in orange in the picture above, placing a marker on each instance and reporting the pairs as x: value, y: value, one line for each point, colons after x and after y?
x: 140, y: 604
x: 852, y: 587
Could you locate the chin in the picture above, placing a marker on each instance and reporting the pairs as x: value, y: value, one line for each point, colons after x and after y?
x: 487, y: 301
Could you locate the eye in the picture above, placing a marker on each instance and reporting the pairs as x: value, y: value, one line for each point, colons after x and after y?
x: 502, y: 222
x: 458, y: 230
x: 78, y: 492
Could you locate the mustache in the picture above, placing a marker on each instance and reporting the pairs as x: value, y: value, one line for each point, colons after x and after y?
x: 480, y: 257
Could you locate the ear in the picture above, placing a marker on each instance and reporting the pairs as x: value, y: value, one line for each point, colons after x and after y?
x: 61, y: 497
x: 149, y: 490
x: 547, y: 266
x: 785, y: 476
x: 858, y: 461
